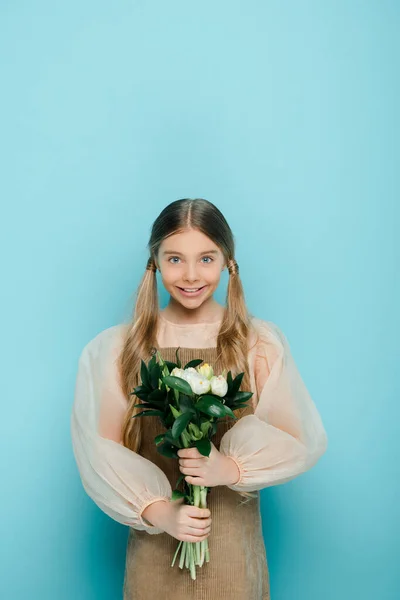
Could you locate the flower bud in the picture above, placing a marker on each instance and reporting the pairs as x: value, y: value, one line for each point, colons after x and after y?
x: 219, y: 386
x: 195, y: 431
x: 206, y: 370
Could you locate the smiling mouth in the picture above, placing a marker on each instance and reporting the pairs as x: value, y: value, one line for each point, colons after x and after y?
x: 191, y: 290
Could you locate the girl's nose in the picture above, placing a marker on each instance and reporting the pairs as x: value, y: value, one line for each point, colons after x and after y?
x: 191, y: 273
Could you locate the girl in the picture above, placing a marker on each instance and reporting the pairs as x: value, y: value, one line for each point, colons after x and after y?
x: 276, y: 438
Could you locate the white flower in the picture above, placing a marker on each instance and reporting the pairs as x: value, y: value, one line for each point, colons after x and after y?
x: 178, y: 373
x: 219, y: 386
x: 198, y: 383
x: 206, y: 370
x: 190, y: 370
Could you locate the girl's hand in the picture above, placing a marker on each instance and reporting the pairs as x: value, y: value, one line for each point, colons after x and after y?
x: 215, y: 469
x: 184, y: 522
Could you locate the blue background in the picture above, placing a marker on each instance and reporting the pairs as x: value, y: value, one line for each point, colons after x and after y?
x: 286, y: 116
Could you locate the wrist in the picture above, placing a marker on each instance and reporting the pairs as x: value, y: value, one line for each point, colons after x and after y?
x: 234, y: 471
x: 152, y: 512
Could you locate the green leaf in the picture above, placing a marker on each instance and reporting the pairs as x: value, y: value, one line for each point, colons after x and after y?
x: 170, y: 365
x: 149, y: 413
x: 176, y: 383
x: 177, y: 413
x: 242, y: 396
x: 176, y: 494
x: 178, y: 362
x: 228, y: 411
x: 171, y: 440
x: 180, y: 424
x: 229, y: 382
x: 193, y: 363
x: 168, y: 450
x: 205, y: 427
x: 186, y: 404
x: 194, y: 431
x: 155, y: 374
x: 236, y: 383
x: 210, y: 406
x: 203, y: 446
x: 140, y: 391
x: 159, y: 438
x: 181, y: 476
x: 138, y: 388
x: 157, y: 396
x: 144, y: 374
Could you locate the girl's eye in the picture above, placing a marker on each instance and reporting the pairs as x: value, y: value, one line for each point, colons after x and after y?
x: 174, y: 263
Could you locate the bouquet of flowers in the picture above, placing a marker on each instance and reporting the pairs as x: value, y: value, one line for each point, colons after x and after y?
x: 189, y: 401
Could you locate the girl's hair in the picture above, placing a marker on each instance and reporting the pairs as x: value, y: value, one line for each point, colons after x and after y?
x: 140, y: 337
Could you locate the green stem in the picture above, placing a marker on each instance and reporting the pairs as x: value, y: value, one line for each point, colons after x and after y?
x: 187, y: 557
x: 196, y: 495
x: 204, y: 544
x: 198, y: 554
x: 182, y: 557
x: 176, y: 553
x: 192, y: 565
x: 185, y: 439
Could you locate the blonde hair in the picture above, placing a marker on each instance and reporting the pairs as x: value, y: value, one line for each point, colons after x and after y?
x: 140, y: 337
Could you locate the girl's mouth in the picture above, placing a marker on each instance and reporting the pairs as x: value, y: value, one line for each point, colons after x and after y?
x: 191, y: 294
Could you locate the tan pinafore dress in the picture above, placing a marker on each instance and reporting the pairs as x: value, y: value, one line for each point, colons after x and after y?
x: 238, y: 565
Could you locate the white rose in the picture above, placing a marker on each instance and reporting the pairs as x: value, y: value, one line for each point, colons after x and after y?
x: 198, y: 383
x: 178, y: 373
x: 190, y: 370
x: 206, y: 370
x: 219, y: 386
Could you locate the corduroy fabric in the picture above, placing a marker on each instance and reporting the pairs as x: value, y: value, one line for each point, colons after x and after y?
x: 238, y: 567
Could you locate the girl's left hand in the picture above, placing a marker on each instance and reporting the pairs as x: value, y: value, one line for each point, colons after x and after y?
x: 215, y: 469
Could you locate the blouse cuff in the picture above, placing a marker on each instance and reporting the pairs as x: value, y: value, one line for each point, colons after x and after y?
x: 240, y: 468
x: 142, y: 520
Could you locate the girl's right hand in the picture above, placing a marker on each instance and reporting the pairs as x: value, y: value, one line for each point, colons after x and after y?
x: 184, y: 522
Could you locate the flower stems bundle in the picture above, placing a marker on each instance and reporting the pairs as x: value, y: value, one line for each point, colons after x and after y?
x: 189, y: 402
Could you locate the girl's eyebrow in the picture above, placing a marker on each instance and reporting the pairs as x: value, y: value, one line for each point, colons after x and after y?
x: 180, y: 253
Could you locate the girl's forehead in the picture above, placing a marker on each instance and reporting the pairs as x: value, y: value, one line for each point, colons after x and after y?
x: 188, y: 242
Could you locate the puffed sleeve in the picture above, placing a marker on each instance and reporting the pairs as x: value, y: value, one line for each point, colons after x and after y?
x: 121, y: 482
x: 285, y: 436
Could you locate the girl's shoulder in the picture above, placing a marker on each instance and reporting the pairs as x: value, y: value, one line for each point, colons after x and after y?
x: 268, y: 345
x: 105, y: 341
x: 264, y: 332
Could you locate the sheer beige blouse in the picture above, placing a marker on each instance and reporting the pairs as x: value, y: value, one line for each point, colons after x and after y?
x: 282, y: 439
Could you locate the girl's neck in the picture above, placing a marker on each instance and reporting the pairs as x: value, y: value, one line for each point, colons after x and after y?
x: 208, y: 312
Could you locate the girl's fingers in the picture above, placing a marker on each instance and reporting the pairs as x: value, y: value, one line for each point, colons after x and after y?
x: 199, y: 524
x: 190, y: 470
x: 191, y: 462
x: 198, y: 531
x: 197, y: 513
x: 196, y: 480
x: 192, y: 538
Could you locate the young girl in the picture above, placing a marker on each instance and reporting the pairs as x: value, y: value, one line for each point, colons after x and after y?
x: 279, y: 436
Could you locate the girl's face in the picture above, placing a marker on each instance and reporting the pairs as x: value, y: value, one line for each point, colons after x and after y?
x: 190, y: 261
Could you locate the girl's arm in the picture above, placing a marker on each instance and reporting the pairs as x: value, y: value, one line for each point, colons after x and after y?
x: 285, y: 436
x: 121, y: 482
